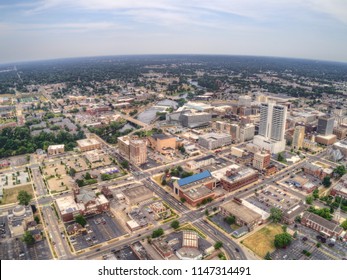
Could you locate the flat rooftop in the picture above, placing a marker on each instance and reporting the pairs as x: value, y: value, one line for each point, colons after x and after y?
x: 242, y: 212
x: 240, y: 174
x: 162, y: 136
x: 198, y: 192
x: 195, y: 179
x: 87, y: 142
x: 66, y: 205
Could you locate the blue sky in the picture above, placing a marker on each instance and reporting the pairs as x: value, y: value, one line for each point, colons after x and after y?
x: 44, y: 29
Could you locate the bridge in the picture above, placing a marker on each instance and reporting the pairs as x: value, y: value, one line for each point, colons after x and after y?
x: 134, y: 121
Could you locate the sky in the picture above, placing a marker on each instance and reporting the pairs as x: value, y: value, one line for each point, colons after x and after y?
x: 46, y: 29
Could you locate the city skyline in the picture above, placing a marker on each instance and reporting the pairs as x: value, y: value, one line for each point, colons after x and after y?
x: 38, y: 30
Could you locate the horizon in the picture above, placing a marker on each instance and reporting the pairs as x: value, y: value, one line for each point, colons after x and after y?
x: 312, y: 60
x: 38, y: 30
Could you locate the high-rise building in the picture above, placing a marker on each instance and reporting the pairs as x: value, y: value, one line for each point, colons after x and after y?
x: 247, y: 132
x: 138, y: 151
x: 261, y: 160
x: 325, y: 125
x: 133, y: 149
x: 245, y: 100
x: 298, y: 137
x: 272, y: 127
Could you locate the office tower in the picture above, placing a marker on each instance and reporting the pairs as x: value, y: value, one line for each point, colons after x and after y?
x: 298, y: 137
x: 271, y: 127
x: 325, y: 125
x: 138, y: 151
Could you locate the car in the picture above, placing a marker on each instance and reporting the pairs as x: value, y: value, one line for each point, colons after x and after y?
x: 237, y: 250
x: 97, y: 250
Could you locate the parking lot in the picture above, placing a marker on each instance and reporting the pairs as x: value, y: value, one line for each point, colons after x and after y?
x: 101, y: 228
x: 273, y: 197
x: 295, y: 251
x: 219, y: 221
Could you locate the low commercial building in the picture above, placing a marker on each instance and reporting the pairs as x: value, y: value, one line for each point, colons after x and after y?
x: 86, y: 145
x: 196, y: 188
x: 162, y: 143
x: 18, y: 219
x: 84, y: 203
x: 317, y: 223
x: 200, y: 163
x: 196, y: 119
x: 213, y: 141
x: 326, y: 139
x: 137, y: 194
x: 238, y: 178
x: 290, y: 214
x: 340, y: 132
x: 237, y: 152
x: 55, y: 149
x: 317, y: 171
x: 190, y: 244
x: 163, y: 248
x: 243, y: 215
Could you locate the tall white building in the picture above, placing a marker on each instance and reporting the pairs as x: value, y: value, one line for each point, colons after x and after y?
x: 272, y: 127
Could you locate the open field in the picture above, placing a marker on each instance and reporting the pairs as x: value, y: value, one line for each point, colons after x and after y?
x: 10, y: 195
x: 56, y: 185
x: 262, y: 241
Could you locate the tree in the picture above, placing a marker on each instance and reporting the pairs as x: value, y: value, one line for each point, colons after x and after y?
x: 81, y: 220
x: 340, y: 171
x: 175, y: 224
x: 267, y: 256
x: 72, y: 172
x: 87, y: 176
x: 183, y: 200
x: 164, y: 183
x: 24, y: 197
x: 344, y: 225
x: 275, y: 215
x: 28, y: 238
x: 206, y: 212
x: 282, y: 240
x: 295, y: 235
x: 309, y: 199
x: 158, y: 232
x: 280, y: 158
x: 125, y: 164
x: 37, y: 219
x: 326, y: 182
x: 218, y: 245
x: 229, y: 220
x: 315, y: 194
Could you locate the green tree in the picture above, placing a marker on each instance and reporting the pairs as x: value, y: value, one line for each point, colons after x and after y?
x: 158, y: 232
x: 87, y: 176
x: 125, y: 164
x: 309, y: 199
x: 229, y: 220
x: 164, y: 183
x: 28, y: 238
x: 81, y: 220
x: 175, y: 224
x: 326, y: 182
x: 183, y: 200
x: 315, y: 194
x: 72, y: 172
x: 344, y: 225
x: 218, y: 245
x: 276, y: 215
x: 340, y: 171
x: 295, y: 235
x: 282, y: 240
x: 267, y: 256
x: 281, y: 158
x: 37, y: 219
x: 24, y: 197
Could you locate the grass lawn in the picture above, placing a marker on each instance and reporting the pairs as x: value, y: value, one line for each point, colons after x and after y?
x: 262, y: 241
x: 10, y: 195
